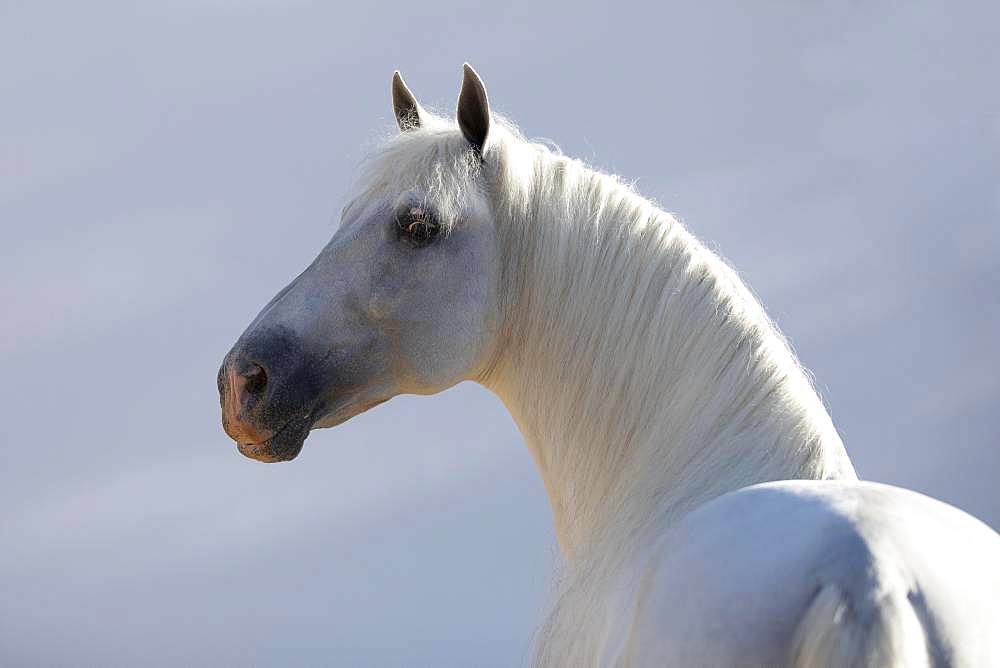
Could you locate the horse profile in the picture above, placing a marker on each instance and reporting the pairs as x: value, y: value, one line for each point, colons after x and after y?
x: 704, y: 503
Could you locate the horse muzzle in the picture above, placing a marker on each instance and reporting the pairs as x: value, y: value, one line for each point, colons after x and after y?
x: 266, y: 398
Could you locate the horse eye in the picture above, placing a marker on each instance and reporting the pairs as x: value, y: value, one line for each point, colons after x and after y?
x: 417, y: 227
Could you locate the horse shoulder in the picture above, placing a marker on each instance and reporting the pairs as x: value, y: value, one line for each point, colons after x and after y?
x: 817, y: 573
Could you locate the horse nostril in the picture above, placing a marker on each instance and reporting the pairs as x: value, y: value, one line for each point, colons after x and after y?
x: 254, y: 378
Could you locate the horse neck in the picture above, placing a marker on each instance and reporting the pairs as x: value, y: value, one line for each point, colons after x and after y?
x: 644, y: 376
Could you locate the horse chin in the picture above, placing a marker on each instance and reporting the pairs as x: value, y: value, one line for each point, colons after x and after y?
x: 284, y: 446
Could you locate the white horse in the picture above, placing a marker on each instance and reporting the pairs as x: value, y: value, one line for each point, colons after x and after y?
x: 707, y: 510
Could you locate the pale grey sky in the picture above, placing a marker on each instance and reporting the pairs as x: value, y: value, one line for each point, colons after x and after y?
x: 166, y: 167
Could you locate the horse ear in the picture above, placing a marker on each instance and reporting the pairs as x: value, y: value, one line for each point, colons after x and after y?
x: 473, y: 109
x: 406, y: 107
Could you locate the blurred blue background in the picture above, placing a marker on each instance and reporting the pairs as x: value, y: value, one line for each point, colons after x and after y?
x: 166, y: 167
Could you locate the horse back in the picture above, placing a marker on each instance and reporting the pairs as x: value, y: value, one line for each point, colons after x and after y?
x: 816, y: 573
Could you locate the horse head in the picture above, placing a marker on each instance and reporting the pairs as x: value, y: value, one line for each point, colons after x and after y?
x: 401, y: 300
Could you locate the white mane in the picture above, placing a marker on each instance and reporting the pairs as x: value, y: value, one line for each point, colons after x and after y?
x: 644, y: 375
x: 658, y: 344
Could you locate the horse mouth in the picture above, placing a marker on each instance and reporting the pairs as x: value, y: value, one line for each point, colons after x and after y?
x: 285, y: 445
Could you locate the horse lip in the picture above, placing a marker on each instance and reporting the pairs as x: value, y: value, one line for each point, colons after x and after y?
x: 243, y: 433
x: 250, y: 443
x: 284, y: 445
